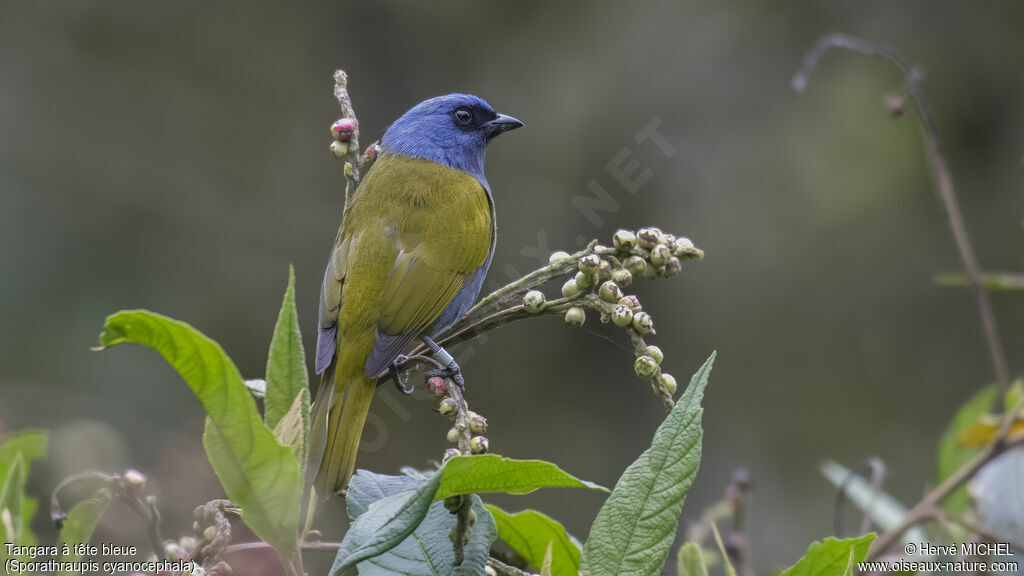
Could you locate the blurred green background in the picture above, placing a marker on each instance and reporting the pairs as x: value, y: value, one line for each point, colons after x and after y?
x: 173, y: 156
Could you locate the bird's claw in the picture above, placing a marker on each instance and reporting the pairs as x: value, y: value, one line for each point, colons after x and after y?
x: 453, y: 371
x: 396, y: 375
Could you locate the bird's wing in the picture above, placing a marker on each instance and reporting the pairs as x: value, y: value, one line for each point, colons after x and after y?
x: 330, y: 302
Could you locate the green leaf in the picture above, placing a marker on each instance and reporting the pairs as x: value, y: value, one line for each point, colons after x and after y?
x: 16, y: 455
x: 426, y: 549
x: 531, y: 533
x: 491, y: 473
x: 831, y: 557
x: 637, y: 524
x: 545, y: 566
x: 79, y: 525
x: 287, y: 388
x: 951, y: 455
x: 257, y: 473
x: 729, y: 570
x: 690, y: 561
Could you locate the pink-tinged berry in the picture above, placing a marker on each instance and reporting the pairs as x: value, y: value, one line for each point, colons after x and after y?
x: 632, y: 302
x: 437, y: 386
x: 343, y: 129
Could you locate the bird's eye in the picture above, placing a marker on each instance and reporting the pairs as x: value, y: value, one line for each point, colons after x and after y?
x: 463, y: 116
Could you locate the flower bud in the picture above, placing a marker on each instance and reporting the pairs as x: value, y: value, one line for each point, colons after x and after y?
x: 437, y: 386
x: 558, y: 257
x: 622, y: 277
x: 371, y: 152
x: 533, y: 301
x: 339, y: 149
x: 175, y: 552
x: 221, y: 568
x: 477, y: 423
x: 684, y: 247
x: 635, y: 264
x: 134, y: 478
x: 453, y: 503
x: 632, y: 302
x: 645, y: 367
x: 648, y: 237
x: 449, y: 454
x: 454, y: 435
x: 669, y: 382
x: 643, y: 323
x: 651, y: 272
x: 624, y: 240
x: 610, y: 292
x: 585, y: 281
x: 188, y: 543
x: 471, y: 518
x: 478, y: 444
x: 604, y: 271
x: 656, y: 353
x: 600, y: 248
x: 570, y: 289
x: 210, y: 533
x: 590, y: 264
x: 669, y: 240
x: 343, y: 129
x: 448, y: 407
x: 660, y: 255
x: 673, y: 267
x: 488, y: 571
x: 575, y: 316
x: 622, y: 316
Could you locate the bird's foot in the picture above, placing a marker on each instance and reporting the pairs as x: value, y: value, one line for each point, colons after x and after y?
x: 453, y: 371
x: 395, y: 373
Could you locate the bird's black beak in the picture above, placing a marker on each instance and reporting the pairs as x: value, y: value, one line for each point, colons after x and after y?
x: 503, y: 123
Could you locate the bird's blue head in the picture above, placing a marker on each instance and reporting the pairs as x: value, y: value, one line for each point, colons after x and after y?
x: 452, y: 130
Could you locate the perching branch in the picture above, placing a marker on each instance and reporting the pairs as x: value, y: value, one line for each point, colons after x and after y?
x: 940, y: 172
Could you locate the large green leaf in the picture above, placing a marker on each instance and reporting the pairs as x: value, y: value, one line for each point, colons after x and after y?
x: 530, y: 534
x: 392, y: 518
x: 257, y: 473
x: 637, y: 524
x: 16, y: 455
x: 951, y: 455
x: 831, y: 557
x: 78, y: 527
x: 286, y: 404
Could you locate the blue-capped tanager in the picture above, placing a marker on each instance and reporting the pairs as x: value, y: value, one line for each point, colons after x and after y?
x: 409, y: 260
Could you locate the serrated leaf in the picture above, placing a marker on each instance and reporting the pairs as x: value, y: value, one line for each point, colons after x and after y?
x: 531, y: 533
x: 16, y: 456
x: 287, y: 392
x: 491, y: 473
x: 79, y: 525
x: 257, y: 473
x: 637, y: 524
x: 690, y: 561
x: 831, y: 556
x: 951, y: 455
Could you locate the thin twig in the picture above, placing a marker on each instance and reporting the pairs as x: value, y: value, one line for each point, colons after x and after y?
x: 351, y: 159
x: 503, y: 569
x: 940, y: 172
x: 983, y: 531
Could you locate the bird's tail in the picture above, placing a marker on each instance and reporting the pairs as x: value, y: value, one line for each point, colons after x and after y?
x: 344, y: 405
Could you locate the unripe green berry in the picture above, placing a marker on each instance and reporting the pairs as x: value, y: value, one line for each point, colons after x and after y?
x: 478, y: 444
x: 660, y: 255
x: 585, y: 281
x: 648, y: 237
x: 610, y: 292
x: 477, y: 423
x: 449, y: 454
x: 570, y: 288
x: 669, y: 240
x: 471, y: 518
x: 643, y: 323
x: 656, y: 353
x: 622, y: 277
x: 453, y: 503
x: 645, y: 367
x: 448, y: 407
x: 622, y: 316
x: 624, y: 240
x: 575, y: 316
x: 558, y: 257
x: 635, y: 264
x: 339, y: 149
x: 673, y: 267
x: 669, y: 382
x: 533, y: 301
x: 651, y: 272
x: 683, y: 246
x: 590, y: 264
x: 604, y: 271
x: 632, y: 302
x: 454, y: 435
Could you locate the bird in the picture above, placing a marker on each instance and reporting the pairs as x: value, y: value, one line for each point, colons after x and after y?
x: 415, y: 243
